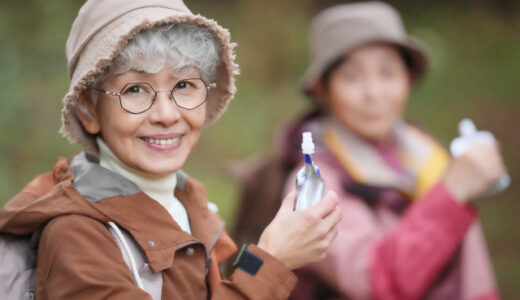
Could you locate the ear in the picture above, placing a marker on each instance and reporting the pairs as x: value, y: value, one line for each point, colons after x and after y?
x: 320, y: 93
x: 412, y: 79
x: 88, y: 115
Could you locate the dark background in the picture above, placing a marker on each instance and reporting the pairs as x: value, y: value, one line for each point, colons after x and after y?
x: 475, y: 49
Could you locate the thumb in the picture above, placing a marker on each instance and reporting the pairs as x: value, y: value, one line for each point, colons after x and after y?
x: 288, y: 202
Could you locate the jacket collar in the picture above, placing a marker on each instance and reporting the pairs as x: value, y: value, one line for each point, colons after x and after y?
x: 150, y: 224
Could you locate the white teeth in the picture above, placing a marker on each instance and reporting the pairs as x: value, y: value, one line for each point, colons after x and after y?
x: 162, y: 142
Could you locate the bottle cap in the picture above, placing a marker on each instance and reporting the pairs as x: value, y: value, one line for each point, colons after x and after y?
x: 307, y: 144
x: 467, y: 127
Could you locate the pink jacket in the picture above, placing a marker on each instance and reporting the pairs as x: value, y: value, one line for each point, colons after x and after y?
x: 382, y: 255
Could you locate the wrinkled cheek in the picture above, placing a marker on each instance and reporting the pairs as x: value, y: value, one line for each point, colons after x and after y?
x: 198, y: 123
x: 124, y: 135
x: 398, y: 112
x: 197, y: 118
x: 194, y: 139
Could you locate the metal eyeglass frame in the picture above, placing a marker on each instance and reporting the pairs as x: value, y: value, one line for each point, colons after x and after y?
x: 118, y: 94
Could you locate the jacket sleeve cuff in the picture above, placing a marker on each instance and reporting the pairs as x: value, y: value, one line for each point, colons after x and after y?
x: 263, y: 274
x: 442, y: 208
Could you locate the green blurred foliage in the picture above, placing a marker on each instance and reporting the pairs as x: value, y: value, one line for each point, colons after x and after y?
x: 475, y: 50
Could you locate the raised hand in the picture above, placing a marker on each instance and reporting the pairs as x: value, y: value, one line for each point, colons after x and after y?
x: 297, y: 238
x: 474, y: 171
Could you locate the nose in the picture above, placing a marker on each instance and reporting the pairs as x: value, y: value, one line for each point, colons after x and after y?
x: 373, y: 89
x: 164, y: 112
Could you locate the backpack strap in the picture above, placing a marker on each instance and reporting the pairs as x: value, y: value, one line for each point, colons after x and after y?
x: 17, y: 267
x: 134, y: 257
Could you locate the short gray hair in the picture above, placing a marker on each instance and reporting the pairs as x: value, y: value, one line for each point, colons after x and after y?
x: 182, y: 45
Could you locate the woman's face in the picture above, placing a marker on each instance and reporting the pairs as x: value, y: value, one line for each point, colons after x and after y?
x: 157, y: 141
x: 367, y: 93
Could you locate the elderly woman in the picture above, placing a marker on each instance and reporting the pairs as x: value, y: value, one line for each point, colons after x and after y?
x: 408, y: 229
x: 120, y: 220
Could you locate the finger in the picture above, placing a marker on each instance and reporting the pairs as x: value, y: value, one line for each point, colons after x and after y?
x: 331, y: 236
x: 496, y: 148
x: 288, y: 202
x: 493, y: 161
x: 498, y: 145
x: 501, y: 169
x: 326, y: 205
x: 481, y: 148
x: 333, y: 219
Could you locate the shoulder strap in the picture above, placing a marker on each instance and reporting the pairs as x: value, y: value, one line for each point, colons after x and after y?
x: 134, y: 257
x: 18, y: 264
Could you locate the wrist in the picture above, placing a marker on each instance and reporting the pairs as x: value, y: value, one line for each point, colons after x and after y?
x: 264, y: 245
x: 457, y: 191
x: 267, y: 249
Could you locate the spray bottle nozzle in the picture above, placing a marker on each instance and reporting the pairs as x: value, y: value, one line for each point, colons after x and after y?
x: 307, y: 143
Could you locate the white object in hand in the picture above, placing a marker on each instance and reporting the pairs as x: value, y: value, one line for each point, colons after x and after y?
x: 309, y: 183
x: 470, y: 136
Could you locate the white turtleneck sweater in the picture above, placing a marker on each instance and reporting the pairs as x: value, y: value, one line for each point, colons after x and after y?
x: 158, y: 187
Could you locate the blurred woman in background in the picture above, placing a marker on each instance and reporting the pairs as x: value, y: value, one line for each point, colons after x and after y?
x: 409, y: 230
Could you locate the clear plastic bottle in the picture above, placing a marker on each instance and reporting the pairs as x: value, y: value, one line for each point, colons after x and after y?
x: 470, y: 136
x: 309, y: 183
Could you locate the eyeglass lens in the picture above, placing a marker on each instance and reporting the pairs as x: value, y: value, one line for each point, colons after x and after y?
x: 139, y: 97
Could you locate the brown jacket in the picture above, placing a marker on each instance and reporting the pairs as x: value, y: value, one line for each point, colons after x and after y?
x: 79, y: 259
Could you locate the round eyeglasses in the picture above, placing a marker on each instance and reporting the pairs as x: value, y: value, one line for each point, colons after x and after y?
x: 138, y: 97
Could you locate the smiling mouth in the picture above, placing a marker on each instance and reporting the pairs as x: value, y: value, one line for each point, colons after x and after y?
x: 161, y: 142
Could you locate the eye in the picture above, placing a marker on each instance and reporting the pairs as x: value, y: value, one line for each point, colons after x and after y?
x: 183, y: 85
x: 389, y: 72
x: 350, y: 75
x: 136, y: 89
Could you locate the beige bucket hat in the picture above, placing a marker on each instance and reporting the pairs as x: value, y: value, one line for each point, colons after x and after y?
x: 340, y: 29
x: 100, y: 31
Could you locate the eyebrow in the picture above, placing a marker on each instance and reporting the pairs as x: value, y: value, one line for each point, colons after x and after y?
x: 132, y: 70
x: 184, y: 71
x: 180, y: 72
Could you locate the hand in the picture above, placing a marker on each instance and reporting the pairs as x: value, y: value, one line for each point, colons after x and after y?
x: 297, y: 238
x: 470, y: 174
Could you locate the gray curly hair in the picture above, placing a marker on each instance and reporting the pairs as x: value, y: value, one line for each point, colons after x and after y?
x: 182, y: 45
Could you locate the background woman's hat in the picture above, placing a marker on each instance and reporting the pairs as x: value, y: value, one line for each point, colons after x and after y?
x: 340, y: 29
x: 101, y: 30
